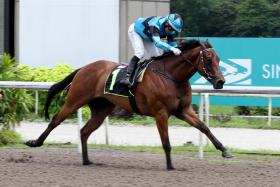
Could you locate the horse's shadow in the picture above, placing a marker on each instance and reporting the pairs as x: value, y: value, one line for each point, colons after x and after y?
x: 131, y: 167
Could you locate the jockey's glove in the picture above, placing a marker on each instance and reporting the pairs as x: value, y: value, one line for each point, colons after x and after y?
x: 176, y: 51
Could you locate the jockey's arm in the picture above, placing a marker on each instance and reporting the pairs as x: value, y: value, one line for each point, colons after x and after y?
x: 171, y: 40
x: 157, y: 41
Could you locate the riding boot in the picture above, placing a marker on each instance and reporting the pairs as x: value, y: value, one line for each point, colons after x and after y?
x: 131, y: 66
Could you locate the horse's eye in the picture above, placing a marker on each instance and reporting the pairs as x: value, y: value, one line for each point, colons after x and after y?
x: 209, y: 62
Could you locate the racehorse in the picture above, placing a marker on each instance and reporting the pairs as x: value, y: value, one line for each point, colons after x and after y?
x: 164, y: 91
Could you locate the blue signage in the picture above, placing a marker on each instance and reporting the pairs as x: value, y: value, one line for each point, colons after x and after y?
x: 246, y: 62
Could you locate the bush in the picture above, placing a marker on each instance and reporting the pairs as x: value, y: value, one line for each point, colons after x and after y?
x: 9, y: 137
x: 262, y: 111
x: 242, y: 110
x: 276, y: 111
x: 44, y: 74
x: 15, y: 104
x: 55, y: 74
x: 15, y: 107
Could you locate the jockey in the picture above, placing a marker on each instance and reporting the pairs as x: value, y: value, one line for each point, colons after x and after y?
x: 146, y: 33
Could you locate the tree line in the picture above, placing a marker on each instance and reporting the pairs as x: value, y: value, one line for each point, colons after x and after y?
x: 234, y: 18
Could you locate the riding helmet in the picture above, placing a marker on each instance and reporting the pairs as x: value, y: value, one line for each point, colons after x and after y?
x: 175, y: 21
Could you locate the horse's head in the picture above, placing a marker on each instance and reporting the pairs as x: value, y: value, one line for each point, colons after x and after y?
x: 206, y: 62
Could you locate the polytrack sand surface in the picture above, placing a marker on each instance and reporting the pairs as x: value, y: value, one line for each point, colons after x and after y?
x: 62, y: 167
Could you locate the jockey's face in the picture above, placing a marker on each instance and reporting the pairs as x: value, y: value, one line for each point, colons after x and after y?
x: 168, y: 28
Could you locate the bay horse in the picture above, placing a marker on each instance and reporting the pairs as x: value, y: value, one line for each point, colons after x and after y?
x: 161, y: 93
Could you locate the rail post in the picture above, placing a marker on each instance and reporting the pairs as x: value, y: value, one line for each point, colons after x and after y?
x: 207, y: 112
x: 106, y: 130
x: 269, y: 111
x: 200, y: 115
x: 79, y: 126
x: 36, y: 101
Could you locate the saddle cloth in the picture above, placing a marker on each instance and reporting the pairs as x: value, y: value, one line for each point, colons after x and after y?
x: 113, y: 86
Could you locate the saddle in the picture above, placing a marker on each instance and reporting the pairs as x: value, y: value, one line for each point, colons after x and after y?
x: 113, y: 86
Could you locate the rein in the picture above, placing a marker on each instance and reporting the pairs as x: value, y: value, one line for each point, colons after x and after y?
x: 166, y: 76
x: 206, y: 74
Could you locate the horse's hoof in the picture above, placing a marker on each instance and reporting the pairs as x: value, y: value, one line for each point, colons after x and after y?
x: 226, y: 154
x: 32, y: 143
x: 87, y: 163
x: 170, y: 168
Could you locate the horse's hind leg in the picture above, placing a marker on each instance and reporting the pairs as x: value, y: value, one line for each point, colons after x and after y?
x: 99, y: 110
x: 56, y: 120
x: 189, y: 116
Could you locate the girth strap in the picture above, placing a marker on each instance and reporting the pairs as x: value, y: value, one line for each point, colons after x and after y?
x: 132, y: 100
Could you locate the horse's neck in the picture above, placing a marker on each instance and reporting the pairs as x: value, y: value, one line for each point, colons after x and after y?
x: 178, y: 68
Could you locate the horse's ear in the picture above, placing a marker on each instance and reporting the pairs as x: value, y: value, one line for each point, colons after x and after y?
x: 181, y: 41
x: 208, y: 44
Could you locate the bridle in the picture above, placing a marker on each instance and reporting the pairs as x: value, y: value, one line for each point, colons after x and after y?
x: 205, y: 73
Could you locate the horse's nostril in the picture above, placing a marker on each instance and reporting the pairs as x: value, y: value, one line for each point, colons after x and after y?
x: 219, y: 84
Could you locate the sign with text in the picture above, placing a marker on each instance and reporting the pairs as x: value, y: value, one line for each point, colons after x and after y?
x: 246, y: 62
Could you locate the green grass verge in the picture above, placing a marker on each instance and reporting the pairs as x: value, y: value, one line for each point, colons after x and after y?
x: 8, y: 137
x: 222, y: 110
x: 253, y: 123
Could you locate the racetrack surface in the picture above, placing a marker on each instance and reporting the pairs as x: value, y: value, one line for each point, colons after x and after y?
x: 62, y: 167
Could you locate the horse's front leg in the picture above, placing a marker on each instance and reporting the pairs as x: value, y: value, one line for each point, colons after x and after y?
x: 162, y: 125
x: 189, y: 116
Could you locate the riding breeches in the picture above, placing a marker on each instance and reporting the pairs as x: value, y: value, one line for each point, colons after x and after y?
x: 139, y: 44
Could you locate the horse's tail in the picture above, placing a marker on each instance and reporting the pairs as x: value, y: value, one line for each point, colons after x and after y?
x: 56, y: 88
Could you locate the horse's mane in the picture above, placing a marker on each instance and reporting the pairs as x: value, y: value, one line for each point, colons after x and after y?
x: 184, y: 45
x: 189, y: 44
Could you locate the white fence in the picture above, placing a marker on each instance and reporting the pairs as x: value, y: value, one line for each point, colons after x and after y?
x: 206, y: 91
x: 202, y: 91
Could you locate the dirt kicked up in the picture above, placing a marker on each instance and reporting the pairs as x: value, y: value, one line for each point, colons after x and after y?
x: 62, y: 167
